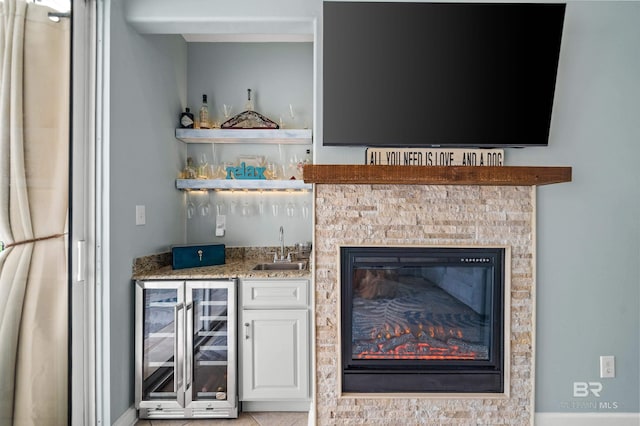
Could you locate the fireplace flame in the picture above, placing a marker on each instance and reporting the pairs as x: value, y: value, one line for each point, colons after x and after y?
x: 423, y: 352
x: 420, y: 343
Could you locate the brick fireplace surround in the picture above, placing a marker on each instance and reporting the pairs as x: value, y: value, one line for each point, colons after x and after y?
x: 353, y: 211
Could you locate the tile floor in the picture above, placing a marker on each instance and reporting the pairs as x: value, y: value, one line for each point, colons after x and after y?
x: 244, y: 419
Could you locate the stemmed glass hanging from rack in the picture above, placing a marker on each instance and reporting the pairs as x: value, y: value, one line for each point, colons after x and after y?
x: 191, y: 207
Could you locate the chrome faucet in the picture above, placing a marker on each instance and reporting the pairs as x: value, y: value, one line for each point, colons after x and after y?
x: 281, y: 237
x: 282, y: 257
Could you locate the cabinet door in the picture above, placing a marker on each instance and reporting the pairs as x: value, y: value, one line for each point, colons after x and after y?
x: 211, y: 343
x: 275, y: 355
x: 159, y: 344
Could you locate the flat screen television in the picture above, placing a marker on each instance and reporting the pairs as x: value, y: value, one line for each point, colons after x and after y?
x: 439, y: 74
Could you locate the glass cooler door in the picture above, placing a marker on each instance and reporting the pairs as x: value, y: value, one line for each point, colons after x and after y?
x: 211, y: 342
x: 159, y: 332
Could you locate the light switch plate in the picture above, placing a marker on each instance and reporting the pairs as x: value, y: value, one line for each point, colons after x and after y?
x: 607, y: 366
x: 141, y: 215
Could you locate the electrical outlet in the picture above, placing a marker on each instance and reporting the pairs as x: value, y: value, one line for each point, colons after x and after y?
x: 141, y: 215
x: 607, y: 366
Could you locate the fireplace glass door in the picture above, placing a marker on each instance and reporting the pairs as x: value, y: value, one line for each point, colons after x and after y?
x: 417, y: 319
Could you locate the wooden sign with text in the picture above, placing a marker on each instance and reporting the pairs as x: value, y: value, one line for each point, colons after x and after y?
x: 434, y: 157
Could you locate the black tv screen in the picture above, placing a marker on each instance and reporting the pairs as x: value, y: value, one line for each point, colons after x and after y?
x: 439, y: 74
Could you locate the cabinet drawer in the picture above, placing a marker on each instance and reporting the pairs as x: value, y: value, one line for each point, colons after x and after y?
x: 275, y: 293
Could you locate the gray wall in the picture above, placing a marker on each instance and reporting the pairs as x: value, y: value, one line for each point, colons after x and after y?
x: 588, y: 271
x: 589, y: 230
x: 148, y: 89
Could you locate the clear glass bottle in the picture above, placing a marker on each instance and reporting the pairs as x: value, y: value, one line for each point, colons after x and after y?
x: 249, y: 105
x: 302, y: 162
x: 189, y: 171
x: 307, y: 158
x: 204, y: 114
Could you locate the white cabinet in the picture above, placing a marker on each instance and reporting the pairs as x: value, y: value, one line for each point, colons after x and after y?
x: 275, y: 350
x: 274, y: 340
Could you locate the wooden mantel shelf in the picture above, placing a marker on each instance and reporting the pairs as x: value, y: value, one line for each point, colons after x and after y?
x: 435, y: 175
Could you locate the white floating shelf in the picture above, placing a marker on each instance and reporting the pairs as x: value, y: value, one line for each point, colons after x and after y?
x: 242, y: 184
x: 274, y: 136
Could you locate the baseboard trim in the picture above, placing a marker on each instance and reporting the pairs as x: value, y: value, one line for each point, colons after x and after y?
x: 128, y: 418
x: 587, y: 419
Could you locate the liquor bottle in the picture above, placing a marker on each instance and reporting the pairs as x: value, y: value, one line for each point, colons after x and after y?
x: 307, y: 158
x: 189, y: 171
x: 204, y: 113
x: 186, y: 119
x: 249, y: 105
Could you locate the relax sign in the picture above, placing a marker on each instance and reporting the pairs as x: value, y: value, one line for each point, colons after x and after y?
x: 434, y: 157
x: 245, y: 172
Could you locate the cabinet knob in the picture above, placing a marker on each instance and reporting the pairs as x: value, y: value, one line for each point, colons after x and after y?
x: 246, y: 330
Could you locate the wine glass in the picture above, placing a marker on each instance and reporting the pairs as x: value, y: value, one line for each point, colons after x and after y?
x: 295, y: 166
x: 292, y: 115
x: 233, y: 207
x: 203, y: 166
x: 261, y: 206
x: 247, y: 209
x: 305, y: 210
x: 285, y: 122
x: 275, y: 208
x: 273, y: 171
x: 226, y: 111
x: 204, y: 208
x: 191, y: 209
x: 291, y: 209
x: 221, y: 208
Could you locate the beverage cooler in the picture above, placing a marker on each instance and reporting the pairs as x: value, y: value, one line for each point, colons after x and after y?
x: 186, y: 349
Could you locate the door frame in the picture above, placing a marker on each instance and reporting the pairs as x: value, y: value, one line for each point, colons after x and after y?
x: 88, y: 299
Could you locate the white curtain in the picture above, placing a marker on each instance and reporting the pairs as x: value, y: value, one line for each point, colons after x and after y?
x: 34, y: 137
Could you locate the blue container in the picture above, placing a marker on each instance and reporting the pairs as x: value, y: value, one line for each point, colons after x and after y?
x: 195, y: 255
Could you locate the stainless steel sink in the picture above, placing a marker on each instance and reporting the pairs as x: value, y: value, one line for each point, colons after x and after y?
x: 281, y: 266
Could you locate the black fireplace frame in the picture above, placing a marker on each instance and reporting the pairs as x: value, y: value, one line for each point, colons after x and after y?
x: 427, y: 376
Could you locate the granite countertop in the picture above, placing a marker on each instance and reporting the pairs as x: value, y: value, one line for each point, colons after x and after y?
x: 239, y: 263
